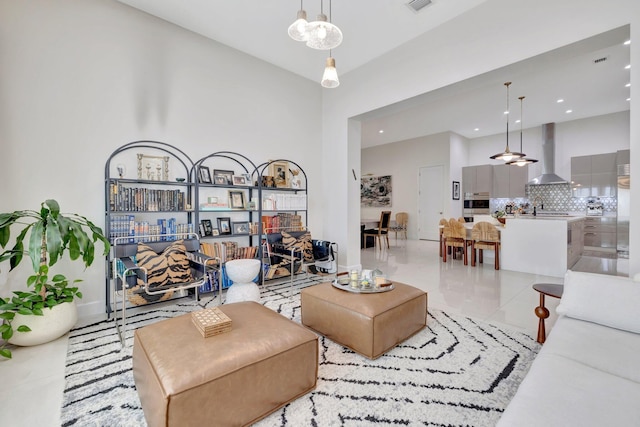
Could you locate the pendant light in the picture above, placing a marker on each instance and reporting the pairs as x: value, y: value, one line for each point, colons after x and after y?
x: 322, y: 34
x: 330, y: 75
x: 522, y: 160
x: 507, y: 155
x: 298, y: 30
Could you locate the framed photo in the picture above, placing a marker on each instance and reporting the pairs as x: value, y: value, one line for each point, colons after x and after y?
x: 224, y: 225
x: 241, y: 227
x: 227, y: 174
x: 267, y: 181
x: 239, y: 180
x: 236, y: 199
x: 280, y: 173
x: 204, y: 176
x: 207, y: 228
x: 247, y: 178
x: 220, y: 180
x: 153, y: 168
x: 215, y: 232
x: 455, y: 190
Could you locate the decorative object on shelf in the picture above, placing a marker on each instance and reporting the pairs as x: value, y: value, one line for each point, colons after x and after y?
x: 241, y: 227
x: 507, y: 155
x: 240, y: 180
x: 268, y: 181
x: 51, y: 235
x: 375, y: 191
x: 455, y: 190
x: 522, y: 160
x: 207, y: 227
x: 296, y: 182
x: 180, y: 179
x: 204, y: 176
x: 121, y: 170
x: 215, y: 232
x: 236, y: 199
x: 153, y: 168
x: 279, y: 170
x: 224, y: 225
x: 228, y: 175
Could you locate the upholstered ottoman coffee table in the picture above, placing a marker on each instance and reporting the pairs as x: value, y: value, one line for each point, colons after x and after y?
x: 369, y: 324
x: 231, y: 379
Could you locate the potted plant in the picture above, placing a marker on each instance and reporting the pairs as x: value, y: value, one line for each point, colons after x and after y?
x: 51, y: 235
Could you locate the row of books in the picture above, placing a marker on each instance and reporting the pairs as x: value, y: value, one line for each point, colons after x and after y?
x: 285, y: 201
x: 165, y: 229
x: 281, y: 222
x: 136, y: 199
x: 228, y: 250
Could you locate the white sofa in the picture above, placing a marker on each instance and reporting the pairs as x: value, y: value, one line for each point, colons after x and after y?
x: 588, y: 371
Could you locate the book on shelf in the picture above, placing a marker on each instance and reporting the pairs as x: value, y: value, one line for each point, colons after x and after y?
x: 142, y: 231
x: 138, y: 199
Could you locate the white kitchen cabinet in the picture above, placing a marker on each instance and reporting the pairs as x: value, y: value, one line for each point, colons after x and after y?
x: 600, y: 232
x: 509, y: 181
x: 575, y: 241
x: 594, y: 176
x: 477, y: 179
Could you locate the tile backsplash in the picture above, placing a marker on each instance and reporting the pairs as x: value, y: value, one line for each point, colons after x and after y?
x: 555, y: 197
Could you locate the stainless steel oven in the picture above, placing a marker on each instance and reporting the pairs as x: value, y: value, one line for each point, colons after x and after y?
x: 475, y: 204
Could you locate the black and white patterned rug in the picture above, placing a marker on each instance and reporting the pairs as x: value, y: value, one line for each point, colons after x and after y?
x: 455, y: 372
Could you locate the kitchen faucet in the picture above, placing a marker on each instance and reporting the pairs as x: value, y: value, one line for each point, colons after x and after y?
x: 535, y: 204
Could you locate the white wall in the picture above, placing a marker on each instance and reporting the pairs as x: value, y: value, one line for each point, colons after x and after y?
x: 494, y: 34
x: 80, y: 78
x: 459, y: 155
x: 403, y: 160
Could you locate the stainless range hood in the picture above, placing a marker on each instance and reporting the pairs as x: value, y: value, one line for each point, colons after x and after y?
x: 548, y: 158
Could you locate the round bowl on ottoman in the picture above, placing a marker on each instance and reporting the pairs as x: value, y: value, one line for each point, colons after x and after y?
x: 242, y: 272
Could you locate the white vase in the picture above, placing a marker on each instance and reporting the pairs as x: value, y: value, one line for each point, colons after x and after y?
x: 54, y: 323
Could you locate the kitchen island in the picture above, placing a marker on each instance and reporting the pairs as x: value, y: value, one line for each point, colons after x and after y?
x: 542, y: 245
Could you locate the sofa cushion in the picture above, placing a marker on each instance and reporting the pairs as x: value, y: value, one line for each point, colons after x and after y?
x: 607, y: 300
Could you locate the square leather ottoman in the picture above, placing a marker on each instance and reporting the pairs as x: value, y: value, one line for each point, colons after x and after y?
x: 369, y: 324
x: 231, y: 379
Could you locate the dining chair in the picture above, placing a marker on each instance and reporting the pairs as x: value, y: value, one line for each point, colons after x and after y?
x: 402, y: 218
x: 485, y: 235
x: 381, y: 231
x: 442, y: 225
x: 455, y: 237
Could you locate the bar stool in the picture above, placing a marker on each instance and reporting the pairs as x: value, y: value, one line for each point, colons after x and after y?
x: 455, y: 236
x: 485, y: 236
x: 441, y: 226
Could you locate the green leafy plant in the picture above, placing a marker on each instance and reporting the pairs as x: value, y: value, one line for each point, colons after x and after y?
x: 51, y: 235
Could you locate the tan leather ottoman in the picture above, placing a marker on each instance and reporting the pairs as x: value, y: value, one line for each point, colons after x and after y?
x: 369, y: 324
x: 231, y: 379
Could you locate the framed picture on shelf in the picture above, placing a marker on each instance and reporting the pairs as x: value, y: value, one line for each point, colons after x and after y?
x: 204, y: 176
x: 455, y: 190
x: 267, y: 181
x: 153, y: 168
x: 241, y: 227
x: 224, y: 225
x: 220, y: 180
x: 239, y: 180
x: 215, y: 232
x: 228, y: 175
x: 236, y: 199
x: 207, y: 228
x: 247, y: 178
x: 280, y: 172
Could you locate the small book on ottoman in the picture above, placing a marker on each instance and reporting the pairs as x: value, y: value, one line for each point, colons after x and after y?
x: 211, y: 321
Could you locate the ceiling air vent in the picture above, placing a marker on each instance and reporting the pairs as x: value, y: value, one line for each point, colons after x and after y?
x: 599, y: 60
x: 417, y: 5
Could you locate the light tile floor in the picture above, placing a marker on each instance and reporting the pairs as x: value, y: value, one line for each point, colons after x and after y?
x: 32, y: 382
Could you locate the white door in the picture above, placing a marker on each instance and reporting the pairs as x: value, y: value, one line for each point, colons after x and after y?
x: 430, y: 202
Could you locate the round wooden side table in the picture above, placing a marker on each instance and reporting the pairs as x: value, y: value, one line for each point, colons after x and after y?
x: 553, y: 290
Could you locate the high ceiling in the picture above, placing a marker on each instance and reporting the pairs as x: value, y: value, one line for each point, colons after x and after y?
x: 373, y: 27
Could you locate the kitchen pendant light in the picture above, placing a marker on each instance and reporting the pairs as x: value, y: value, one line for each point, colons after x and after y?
x: 507, y: 155
x: 522, y: 160
x: 330, y: 75
x: 298, y: 30
x: 322, y: 34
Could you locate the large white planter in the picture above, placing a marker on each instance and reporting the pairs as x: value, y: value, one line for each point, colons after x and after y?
x: 54, y: 323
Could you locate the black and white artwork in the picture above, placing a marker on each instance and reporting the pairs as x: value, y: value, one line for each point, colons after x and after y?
x: 375, y: 191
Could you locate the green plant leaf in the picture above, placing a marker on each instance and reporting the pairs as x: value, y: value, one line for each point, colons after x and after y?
x: 5, y: 353
x: 25, y: 311
x: 6, y: 311
x: 55, y: 246
x: 78, y: 294
x: 36, y: 312
x: 54, y: 207
x: 4, y: 327
x: 7, y: 333
x: 35, y: 243
x: 24, y: 328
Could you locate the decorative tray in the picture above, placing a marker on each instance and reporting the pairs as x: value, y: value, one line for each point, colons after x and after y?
x: 343, y: 284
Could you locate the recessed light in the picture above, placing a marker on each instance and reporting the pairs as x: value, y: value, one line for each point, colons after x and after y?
x: 518, y: 121
x: 506, y: 112
x: 560, y: 101
x: 381, y: 131
x: 627, y: 85
x: 569, y: 111
x: 628, y: 99
x: 476, y: 129
x: 627, y: 67
x: 627, y: 43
